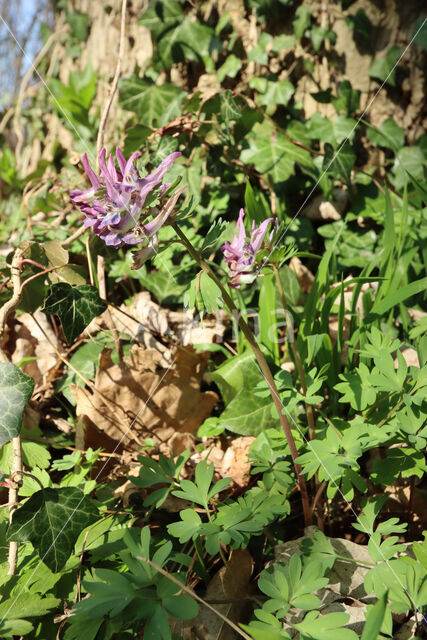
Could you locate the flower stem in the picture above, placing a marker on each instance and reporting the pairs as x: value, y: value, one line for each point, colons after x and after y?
x: 297, y: 357
x: 265, y: 369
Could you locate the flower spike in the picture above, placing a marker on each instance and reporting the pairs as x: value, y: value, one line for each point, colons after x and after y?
x: 115, y: 205
x: 240, y: 254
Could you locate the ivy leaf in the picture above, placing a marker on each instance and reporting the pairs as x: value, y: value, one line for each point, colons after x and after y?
x: 302, y: 20
x: 188, y: 40
x: 16, y: 389
x: 340, y: 161
x: 276, y: 93
x: 154, y: 105
x: 381, y: 68
x: 161, y: 15
x: 273, y: 154
x: 52, y: 520
x: 389, y: 135
x: 230, y: 68
x: 75, y: 306
x: 230, y: 110
x: 248, y: 414
x: 348, y: 98
x: 408, y: 160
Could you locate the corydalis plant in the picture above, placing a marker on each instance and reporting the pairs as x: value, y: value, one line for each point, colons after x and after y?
x: 240, y: 254
x: 117, y: 206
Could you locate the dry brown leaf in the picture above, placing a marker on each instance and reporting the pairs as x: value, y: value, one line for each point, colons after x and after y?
x: 145, y: 400
x: 32, y: 342
x: 190, y: 330
x: 235, y: 463
x: 230, y: 584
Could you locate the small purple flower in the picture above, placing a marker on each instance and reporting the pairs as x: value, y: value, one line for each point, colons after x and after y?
x: 115, y: 206
x: 240, y: 254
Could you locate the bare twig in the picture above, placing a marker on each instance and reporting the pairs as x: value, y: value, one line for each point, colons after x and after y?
x: 5, y: 311
x: 75, y: 236
x: 100, y: 139
x: 10, y: 305
x: 13, y: 499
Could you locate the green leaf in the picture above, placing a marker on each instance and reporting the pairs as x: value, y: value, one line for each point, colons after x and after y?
x: 340, y: 161
x: 85, y: 360
x: 56, y: 256
x: 214, y: 235
x: 258, y: 53
x: 155, y: 105
x: 75, y: 306
x: 276, y: 93
x: 16, y: 389
x: 23, y: 606
x: 187, y: 527
x: 408, y: 160
x: 52, y: 520
x: 255, y: 205
x: 79, y: 23
x: 14, y: 627
x: 230, y: 110
x: 236, y: 374
x: 135, y: 138
x: 327, y: 627
x: 360, y: 23
x: 248, y: 414
x: 383, y: 68
x: 356, y: 389
x: 283, y: 42
x: 161, y: 15
x: 230, y: 68
x: 35, y: 455
x: 203, y: 293
x: 82, y: 627
x: 302, y: 20
x: 187, y: 40
x: 273, y: 154
x: 348, y: 99
x: 268, y: 316
x: 162, y: 284
x: 181, y: 606
x: 389, y: 135
x: 396, y: 297
x: 420, y: 33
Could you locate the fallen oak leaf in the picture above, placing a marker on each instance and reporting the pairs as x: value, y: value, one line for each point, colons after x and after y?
x: 157, y: 401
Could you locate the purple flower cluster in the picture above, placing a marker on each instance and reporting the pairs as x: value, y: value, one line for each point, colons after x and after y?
x: 240, y: 254
x: 115, y: 206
